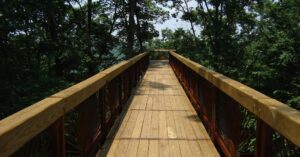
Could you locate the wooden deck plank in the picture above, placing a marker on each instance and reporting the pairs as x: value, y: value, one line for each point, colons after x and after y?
x: 121, y: 149
x: 143, y: 148
x: 136, y: 133
x: 132, y: 148
x: 127, y: 133
x: 120, y: 125
x: 163, y: 132
x: 146, y: 125
x: 167, y: 102
x: 184, y: 148
x: 190, y: 134
x: 164, y: 149
x: 159, y: 121
x: 195, y: 148
x: 153, y: 148
x: 113, y: 148
x: 178, y: 124
x: 174, y: 148
x: 198, y: 128
x: 149, y: 102
x: 154, y: 124
x: 207, y: 149
x: 171, y: 129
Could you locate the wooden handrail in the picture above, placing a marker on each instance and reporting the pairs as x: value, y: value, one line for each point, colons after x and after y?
x: 282, y: 118
x: 79, y: 92
x: 21, y: 127
x: 164, y: 50
x: 160, y: 54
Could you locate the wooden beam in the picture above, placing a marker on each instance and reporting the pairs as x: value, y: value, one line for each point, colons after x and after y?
x: 21, y: 127
x: 282, y: 118
x: 57, y: 140
x: 78, y: 93
x: 263, y: 139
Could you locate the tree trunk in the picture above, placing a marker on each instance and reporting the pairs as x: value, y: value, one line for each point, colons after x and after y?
x: 192, y: 25
x: 130, y: 29
x: 217, y: 41
x: 90, y: 66
x: 89, y: 25
x: 53, y: 36
x: 138, y: 31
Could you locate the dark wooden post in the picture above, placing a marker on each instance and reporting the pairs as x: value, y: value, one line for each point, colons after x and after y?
x: 57, y: 138
x: 213, y: 119
x: 87, y: 124
x: 263, y: 139
x: 102, y: 95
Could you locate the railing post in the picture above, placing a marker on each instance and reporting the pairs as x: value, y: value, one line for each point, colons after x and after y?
x: 124, y: 88
x: 102, y: 95
x: 120, y: 93
x: 263, y: 139
x: 213, y: 111
x: 87, y: 124
x: 57, y: 138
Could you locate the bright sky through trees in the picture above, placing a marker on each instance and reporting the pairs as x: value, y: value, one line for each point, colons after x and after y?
x: 175, y: 23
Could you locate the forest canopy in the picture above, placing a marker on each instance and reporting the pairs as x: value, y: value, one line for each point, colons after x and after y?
x: 50, y: 45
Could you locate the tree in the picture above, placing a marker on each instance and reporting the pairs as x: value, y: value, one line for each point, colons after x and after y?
x: 48, y: 46
x: 188, y: 15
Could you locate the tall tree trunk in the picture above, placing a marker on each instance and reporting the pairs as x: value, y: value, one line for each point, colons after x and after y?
x: 89, y: 25
x: 191, y: 22
x: 53, y: 36
x: 192, y: 25
x: 138, y: 30
x: 217, y: 32
x: 90, y: 64
x: 130, y: 29
x: 215, y: 40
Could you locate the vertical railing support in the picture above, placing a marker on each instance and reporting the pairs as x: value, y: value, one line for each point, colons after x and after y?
x: 263, y: 139
x: 213, y: 103
x: 87, y: 126
x: 102, y: 94
x: 57, y: 139
x: 75, y: 121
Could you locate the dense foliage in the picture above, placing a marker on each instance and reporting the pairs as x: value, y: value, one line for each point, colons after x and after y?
x: 49, y: 45
x: 255, y: 42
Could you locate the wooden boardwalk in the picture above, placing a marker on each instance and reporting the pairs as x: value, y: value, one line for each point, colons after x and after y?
x: 159, y: 121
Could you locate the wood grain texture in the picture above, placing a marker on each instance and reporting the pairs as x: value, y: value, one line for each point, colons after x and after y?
x: 279, y: 116
x: 162, y: 121
x: 22, y: 126
x: 76, y: 94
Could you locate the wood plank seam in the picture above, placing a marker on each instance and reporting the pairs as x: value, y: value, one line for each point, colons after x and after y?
x: 153, y: 138
x: 160, y: 109
x: 169, y: 127
x: 160, y: 94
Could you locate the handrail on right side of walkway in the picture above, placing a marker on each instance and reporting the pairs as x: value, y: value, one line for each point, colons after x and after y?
x: 229, y: 109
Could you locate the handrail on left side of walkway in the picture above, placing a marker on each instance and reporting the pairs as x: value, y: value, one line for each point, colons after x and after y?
x: 73, y: 121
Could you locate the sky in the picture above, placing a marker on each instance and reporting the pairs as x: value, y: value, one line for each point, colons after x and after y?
x: 174, y: 23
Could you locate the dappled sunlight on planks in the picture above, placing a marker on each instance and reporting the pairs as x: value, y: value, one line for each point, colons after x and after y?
x: 159, y: 121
